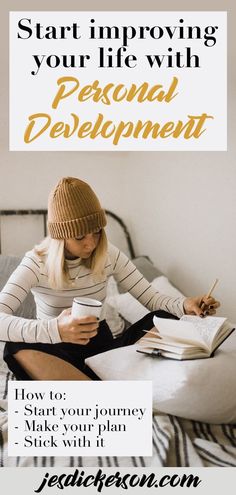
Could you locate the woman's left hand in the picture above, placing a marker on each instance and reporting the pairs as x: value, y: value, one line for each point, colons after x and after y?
x: 200, y: 306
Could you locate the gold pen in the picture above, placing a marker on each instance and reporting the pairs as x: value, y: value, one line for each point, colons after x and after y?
x: 209, y: 292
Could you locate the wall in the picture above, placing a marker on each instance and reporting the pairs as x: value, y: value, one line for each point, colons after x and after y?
x: 180, y: 206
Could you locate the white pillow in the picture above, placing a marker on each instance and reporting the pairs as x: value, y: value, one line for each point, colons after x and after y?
x: 131, y: 309
x: 200, y: 389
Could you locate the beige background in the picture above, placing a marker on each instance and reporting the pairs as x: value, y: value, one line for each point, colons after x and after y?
x: 179, y: 206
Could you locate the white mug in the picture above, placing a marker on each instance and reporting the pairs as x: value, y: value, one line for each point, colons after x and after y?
x: 83, y: 306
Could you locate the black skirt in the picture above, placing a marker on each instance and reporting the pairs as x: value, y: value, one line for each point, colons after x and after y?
x: 76, y: 354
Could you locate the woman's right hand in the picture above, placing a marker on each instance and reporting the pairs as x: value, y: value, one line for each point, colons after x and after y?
x: 76, y: 330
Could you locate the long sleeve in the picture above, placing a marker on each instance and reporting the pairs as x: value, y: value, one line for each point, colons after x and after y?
x: 131, y: 280
x: 17, y: 329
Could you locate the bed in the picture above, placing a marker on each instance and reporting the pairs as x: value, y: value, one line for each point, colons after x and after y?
x: 177, y: 440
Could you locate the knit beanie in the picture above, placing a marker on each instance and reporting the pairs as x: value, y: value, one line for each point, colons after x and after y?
x: 73, y: 210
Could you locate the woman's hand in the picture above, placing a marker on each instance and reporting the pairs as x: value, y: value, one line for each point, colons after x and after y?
x: 200, y: 306
x: 76, y: 330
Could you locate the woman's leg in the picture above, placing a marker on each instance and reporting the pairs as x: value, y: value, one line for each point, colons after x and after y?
x: 62, y: 361
x: 42, y: 366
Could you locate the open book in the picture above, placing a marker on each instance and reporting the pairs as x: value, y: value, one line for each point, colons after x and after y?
x: 191, y: 337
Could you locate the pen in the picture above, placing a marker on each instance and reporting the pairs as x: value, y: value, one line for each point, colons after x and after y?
x: 154, y: 352
x: 209, y: 292
x: 153, y: 332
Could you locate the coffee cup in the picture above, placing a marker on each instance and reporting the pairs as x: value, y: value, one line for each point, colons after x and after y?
x: 84, y: 306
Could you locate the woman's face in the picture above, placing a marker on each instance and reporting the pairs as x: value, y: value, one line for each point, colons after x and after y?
x: 83, y: 246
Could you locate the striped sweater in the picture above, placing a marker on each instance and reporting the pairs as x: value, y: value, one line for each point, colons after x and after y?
x: 31, y: 275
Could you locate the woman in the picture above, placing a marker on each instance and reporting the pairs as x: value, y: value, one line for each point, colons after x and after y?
x: 75, y: 260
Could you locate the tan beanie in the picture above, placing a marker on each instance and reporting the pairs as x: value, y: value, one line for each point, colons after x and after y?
x: 73, y: 210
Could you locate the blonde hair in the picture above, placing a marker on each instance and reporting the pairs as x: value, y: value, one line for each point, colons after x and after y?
x: 53, y: 250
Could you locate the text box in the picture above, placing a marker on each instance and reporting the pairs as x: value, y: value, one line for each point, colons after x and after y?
x: 63, y: 418
x: 118, y: 81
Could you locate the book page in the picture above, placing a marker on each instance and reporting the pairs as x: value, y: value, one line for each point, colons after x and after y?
x: 207, y: 328
x: 158, y: 343
x: 190, y: 329
x: 180, y: 331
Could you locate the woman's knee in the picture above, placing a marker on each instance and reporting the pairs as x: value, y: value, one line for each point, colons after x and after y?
x: 164, y: 314
x: 42, y: 366
x: 24, y: 356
